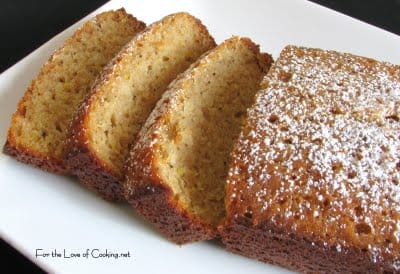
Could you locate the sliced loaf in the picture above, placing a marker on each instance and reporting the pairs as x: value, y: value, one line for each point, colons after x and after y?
x: 176, y: 171
x: 40, y: 125
x: 315, y: 180
x: 124, y: 96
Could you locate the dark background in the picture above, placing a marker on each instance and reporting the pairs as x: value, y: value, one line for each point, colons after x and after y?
x: 25, y: 25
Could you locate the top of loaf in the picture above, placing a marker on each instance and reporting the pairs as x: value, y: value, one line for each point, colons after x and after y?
x: 320, y: 153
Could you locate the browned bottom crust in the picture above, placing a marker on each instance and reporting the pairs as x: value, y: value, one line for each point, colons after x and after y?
x: 43, y: 162
x: 155, y: 205
x: 94, y: 175
x: 291, y: 251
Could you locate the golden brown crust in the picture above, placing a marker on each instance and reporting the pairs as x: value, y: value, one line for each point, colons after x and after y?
x: 156, y: 206
x: 81, y: 159
x: 33, y: 158
x: 27, y: 154
x: 266, y: 244
x: 313, y: 184
x: 265, y: 60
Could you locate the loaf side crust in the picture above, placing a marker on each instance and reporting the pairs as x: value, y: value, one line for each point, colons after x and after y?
x: 313, y: 185
x: 292, y: 251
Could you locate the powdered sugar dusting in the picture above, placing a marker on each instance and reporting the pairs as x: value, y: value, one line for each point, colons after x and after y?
x: 321, y: 150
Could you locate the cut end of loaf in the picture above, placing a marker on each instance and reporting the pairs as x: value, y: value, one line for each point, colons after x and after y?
x: 184, y: 146
x: 40, y: 125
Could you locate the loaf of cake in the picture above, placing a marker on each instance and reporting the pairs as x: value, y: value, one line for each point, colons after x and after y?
x: 314, y: 180
x: 40, y: 125
x: 121, y: 100
x: 176, y: 171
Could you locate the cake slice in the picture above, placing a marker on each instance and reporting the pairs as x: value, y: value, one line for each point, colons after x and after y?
x: 176, y: 171
x: 124, y: 96
x: 314, y: 180
x: 40, y: 125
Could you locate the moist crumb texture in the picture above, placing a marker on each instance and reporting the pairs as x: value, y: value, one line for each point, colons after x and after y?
x: 314, y: 184
x: 125, y: 94
x: 190, y: 135
x: 40, y: 125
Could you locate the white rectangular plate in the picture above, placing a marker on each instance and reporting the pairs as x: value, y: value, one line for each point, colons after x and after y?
x: 40, y: 212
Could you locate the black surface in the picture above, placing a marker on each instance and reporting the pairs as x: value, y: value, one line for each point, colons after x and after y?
x: 11, y: 259
x: 381, y: 13
x: 25, y: 25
